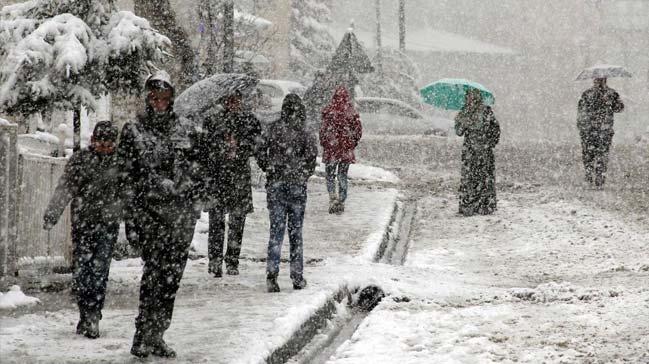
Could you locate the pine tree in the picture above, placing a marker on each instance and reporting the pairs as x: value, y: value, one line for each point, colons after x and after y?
x: 398, y: 79
x: 311, y: 43
x: 64, y: 54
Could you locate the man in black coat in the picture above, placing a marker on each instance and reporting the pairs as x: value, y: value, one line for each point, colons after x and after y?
x: 288, y: 156
x: 595, y: 122
x: 161, y: 214
x: 91, y: 178
x: 230, y: 138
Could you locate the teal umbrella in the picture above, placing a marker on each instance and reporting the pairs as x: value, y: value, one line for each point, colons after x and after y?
x: 448, y: 93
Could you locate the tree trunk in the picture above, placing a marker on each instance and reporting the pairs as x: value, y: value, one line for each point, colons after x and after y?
x: 228, y: 36
x: 163, y: 18
x: 379, y: 52
x: 402, y: 25
x: 76, y: 130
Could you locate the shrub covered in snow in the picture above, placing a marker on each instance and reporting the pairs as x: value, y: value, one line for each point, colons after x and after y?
x: 64, y: 54
x: 311, y: 43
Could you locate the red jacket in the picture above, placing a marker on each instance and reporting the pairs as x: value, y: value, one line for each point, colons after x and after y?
x: 341, y: 129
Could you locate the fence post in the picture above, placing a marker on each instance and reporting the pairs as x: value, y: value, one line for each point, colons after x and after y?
x: 8, y: 198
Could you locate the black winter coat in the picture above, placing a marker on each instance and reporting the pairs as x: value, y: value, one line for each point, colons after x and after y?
x: 289, y: 152
x: 228, y: 141
x: 596, y: 108
x: 159, y: 164
x: 94, y: 181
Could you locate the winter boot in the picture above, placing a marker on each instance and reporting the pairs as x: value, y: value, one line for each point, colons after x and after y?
x: 271, y: 283
x: 140, y: 347
x: 215, y: 269
x: 160, y: 348
x: 333, y: 203
x: 232, y: 270
x: 340, y: 207
x: 299, y: 283
x: 88, y: 325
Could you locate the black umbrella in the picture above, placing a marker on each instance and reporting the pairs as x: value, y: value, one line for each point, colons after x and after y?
x: 205, y: 96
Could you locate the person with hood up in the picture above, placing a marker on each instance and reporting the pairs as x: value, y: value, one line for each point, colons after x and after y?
x: 161, y: 214
x: 340, y: 133
x: 92, y: 178
x: 288, y: 156
x: 230, y: 139
x: 477, y: 123
x: 596, y: 110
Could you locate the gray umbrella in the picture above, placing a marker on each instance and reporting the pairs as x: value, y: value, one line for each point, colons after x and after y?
x: 204, y: 96
x: 603, y: 71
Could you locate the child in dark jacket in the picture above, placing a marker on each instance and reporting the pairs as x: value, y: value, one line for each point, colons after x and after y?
x: 91, y: 180
x: 288, y: 156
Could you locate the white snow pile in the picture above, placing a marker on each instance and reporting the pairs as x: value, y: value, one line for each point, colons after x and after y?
x: 5, y: 122
x: 364, y: 172
x: 15, y: 298
x: 560, y: 292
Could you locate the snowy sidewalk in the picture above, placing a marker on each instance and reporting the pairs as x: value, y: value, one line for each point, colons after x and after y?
x: 544, y: 280
x: 227, y: 320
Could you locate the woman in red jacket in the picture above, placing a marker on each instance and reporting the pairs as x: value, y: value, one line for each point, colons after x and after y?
x: 339, y: 135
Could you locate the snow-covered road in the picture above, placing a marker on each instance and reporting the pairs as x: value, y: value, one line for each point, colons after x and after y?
x: 545, y: 279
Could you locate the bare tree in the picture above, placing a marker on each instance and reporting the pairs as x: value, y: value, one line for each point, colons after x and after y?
x: 379, y: 58
x: 228, y: 36
x: 402, y: 25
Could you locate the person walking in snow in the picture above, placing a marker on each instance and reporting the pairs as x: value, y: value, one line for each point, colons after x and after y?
x: 91, y: 177
x: 340, y: 133
x: 158, y: 163
x: 230, y: 139
x: 288, y: 156
x: 596, y: 110
x: 481, y: 131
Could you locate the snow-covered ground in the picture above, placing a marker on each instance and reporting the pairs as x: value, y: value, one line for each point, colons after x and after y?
x: 227, y: 320
x: 545, y: 279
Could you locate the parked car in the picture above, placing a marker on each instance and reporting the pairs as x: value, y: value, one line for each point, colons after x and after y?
x: 388, y: 116
x: 268, y: 97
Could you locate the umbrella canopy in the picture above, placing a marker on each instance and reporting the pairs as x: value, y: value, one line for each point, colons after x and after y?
x: 201, y: 97
x: 449, y: 93
x: 603, y: 71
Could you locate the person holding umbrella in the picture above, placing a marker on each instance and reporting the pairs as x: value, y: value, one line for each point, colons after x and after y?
x: 161, y: 215
x: 340, y: 133
x: 477, y: 123
x: 595, y: 119
x: 230, y: 138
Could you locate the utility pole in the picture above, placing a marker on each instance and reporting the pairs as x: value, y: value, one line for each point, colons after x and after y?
x: 402, y: 25
x: 228, y: 36
x: 379, y: 51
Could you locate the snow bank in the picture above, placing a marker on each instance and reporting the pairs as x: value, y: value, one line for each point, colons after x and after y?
x: 16, y: 298
x: 365, y: 173
x: 5, y: 122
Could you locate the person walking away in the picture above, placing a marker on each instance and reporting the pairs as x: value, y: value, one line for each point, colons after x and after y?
x: 230, y: 139
x: 596, y: 110
x: 158, y: 164
x: 91, y: 177
x: 477, y: 123
x: 288, y: 156
x: 340, y: 133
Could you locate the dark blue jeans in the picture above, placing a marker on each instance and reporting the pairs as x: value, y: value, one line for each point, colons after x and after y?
x: 340, y: 170
x: 92, y: 256
x: 286, y: 203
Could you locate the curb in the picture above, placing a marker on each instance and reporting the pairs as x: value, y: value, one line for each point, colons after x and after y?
x: 318, y: 321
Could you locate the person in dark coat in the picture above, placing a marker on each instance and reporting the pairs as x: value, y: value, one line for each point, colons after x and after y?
x: 477, y: 123
x: 288, y: 156
x: 161, y: 213
x: 230, y: 139
x: 91, y: 177
x: 340, y: 133
x: 595, y: 123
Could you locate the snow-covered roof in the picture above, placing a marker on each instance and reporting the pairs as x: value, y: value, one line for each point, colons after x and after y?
x: 425, y: 40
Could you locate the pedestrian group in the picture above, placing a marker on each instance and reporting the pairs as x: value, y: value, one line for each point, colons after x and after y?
x: 159, y: 178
